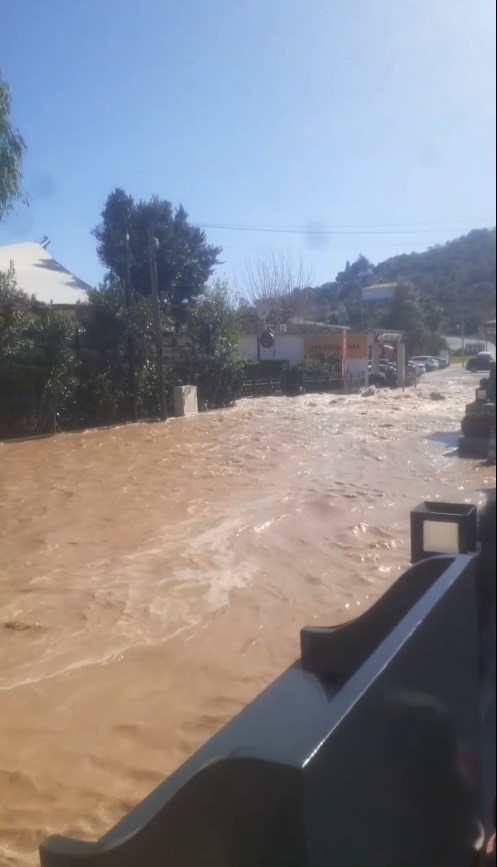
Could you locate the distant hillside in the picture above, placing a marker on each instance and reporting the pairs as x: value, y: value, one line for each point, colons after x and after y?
x: 458, y: 274
x: 447, y: 282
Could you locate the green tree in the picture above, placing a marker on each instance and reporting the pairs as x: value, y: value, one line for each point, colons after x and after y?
x: 185, y: 261
x: 405, y: 313
x: 360, y: 270
x: 452, y: 281
x: 432, y: 312
x: 213, y: 326
x: 458, y: 277
x: 15, y: 317
x: 12, y: 148
x: 53, y: 362
x: 15, y: 306
x: 209, y: 361
x: 350, y: 283
x: 104, y: 392
x: 36, y: 362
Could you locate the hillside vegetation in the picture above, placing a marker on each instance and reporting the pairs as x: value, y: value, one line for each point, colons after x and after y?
x: 438, y: 290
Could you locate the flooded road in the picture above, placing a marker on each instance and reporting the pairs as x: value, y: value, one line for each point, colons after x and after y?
x: 154, y: 577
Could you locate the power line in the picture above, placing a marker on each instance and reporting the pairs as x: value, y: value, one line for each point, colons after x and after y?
x: 331, y: 226
x: 372, y: 246
x: 302, y: 230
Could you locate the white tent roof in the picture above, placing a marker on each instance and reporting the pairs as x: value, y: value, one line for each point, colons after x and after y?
x: 38, y: 274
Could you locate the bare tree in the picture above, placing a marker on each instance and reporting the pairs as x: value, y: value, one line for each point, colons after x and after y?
x: 277, y: 283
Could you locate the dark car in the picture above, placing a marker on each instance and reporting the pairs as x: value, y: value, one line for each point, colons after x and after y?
x: 482, y: 361
x: 386, y: 376
x: 377, y: 379
x: 389, y: 371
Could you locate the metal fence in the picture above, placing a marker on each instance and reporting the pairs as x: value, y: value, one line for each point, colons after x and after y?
x: 257, y: 387
x: 351, y: 757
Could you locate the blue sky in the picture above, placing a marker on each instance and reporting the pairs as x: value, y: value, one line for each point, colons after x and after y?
x: 371, y: 119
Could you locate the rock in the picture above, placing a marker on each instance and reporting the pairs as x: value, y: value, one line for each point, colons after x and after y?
x: 369, y: 391
x: 437, y: 395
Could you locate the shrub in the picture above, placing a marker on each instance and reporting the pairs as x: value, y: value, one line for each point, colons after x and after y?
x: 327, y: 367
x: 37, y: 364
x: 292, y: 380
x: 265, y: 369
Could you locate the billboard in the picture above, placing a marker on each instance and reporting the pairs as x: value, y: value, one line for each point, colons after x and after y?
x: 379, y: 292
x: 331, y: 344
x: 389, y: 336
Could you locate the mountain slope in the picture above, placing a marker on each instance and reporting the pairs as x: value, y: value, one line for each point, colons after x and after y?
x: 450, y: 282
x: 459, y: 276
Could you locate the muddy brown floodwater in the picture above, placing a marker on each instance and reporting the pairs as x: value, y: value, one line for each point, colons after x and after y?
x: 157, y: 576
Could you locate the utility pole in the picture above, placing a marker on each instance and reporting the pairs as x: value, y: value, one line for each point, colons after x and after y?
x: 463, y: 326
x: 152, y: 249
x: 131, y: 342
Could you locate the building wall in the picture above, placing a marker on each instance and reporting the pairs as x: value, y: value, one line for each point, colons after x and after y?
x: 287, y: 347
x: 296, y: 347
x: 379, y: 292
x: 358, y: 365
x: 316, y: 345
x: 67, y: 311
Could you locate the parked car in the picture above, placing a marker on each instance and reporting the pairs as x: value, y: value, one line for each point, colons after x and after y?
x: 429, y: 361
x: 442, y: 362
x: 419, y: 365
x: 482, y: 361
x: 378, y: 379
x: 384, y: 364
x: 389, y: 371
x: 412, y: 373
x: 387, y: 375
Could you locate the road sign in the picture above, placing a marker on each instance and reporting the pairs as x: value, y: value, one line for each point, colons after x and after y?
x: 267, y: 340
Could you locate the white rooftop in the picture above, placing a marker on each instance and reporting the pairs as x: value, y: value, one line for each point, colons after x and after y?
x: 38, y: 274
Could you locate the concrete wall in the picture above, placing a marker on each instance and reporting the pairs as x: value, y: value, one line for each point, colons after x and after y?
x: 287, y: 347
x: 357, y: 365
x: 291, y: 347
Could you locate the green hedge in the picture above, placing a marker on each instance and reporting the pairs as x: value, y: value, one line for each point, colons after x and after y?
x: 270, y: 369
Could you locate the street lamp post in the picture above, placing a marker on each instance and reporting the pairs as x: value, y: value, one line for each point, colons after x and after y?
x: 152, y: 249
